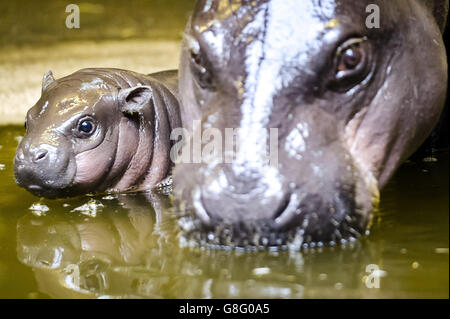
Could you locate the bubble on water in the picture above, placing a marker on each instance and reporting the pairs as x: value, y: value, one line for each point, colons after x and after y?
x: 39, y: 209
x: 66, y: 205
x: 338, y: 286
x: 90, y: 208
x: 109, y: 197
x: 323, y: 277
x: 18, y: 139
x: 2, y: 167
x: 261, y: 271
x: 441, y: 250
x: 415, y: 265
x: 430, y: 159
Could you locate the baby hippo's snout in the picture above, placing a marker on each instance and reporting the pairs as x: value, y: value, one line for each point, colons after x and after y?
x: 42, y: 168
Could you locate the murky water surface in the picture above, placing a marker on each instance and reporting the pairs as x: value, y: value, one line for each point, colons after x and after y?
x: 127, y: 246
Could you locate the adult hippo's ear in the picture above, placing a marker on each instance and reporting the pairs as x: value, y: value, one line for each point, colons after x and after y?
x: 135, y: 100
x: 439, y: 8
x: 47, y: 80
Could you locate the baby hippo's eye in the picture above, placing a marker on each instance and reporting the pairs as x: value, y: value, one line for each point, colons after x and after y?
x: 86, y: 127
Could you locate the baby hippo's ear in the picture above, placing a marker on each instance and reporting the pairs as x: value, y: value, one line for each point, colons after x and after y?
x: 47, y: 80
x: 135, y: 99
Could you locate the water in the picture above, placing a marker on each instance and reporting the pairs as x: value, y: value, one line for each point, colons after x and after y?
x: 127, y: 246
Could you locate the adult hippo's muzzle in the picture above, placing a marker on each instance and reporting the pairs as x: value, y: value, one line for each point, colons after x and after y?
x: 44, y: 165
x: 316, y: 194
x: 349, y: 100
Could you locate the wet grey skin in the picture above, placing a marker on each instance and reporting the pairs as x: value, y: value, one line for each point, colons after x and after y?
x: 350, y: 104
x: 98, y: 130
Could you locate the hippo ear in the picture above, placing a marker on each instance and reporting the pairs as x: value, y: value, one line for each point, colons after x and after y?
x: 441, y: 13
x: 135, y: 99
x: 439, y: 9
x: 47, y: 80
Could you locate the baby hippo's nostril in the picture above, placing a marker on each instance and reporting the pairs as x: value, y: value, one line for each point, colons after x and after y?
x: 19, y: 155
x: 40, y: 155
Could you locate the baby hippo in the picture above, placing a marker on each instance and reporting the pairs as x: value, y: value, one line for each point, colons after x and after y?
x: 97, y: 130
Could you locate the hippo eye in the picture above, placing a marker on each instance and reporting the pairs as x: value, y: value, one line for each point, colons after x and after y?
x: 201, y: 70
x: 352, y: 62
x: 351, y: 58
x: 86, y: 127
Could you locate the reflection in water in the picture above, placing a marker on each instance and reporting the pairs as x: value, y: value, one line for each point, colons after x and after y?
x: 131, y: 251
x: 112, y: 254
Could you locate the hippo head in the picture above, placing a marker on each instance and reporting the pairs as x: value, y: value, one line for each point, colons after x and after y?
x: 349, y: 99
x: 84, y: 134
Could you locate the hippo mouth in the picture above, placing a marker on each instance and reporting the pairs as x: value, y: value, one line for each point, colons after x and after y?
x: 44, y: 185
x: 45, y: 191
x: 50, y: 193
x: 300, y: 222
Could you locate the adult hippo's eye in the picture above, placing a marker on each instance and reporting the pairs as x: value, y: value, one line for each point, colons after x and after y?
x: 352, y: 63
x: 200, y: 67
x: 86, y: 127
x: 351, y: 58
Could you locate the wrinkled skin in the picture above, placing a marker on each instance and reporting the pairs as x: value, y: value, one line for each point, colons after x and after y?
x: 350, y: 104
x: 97, y: 130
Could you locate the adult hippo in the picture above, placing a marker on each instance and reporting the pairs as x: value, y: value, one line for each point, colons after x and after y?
x: 97, y: 130
x: 351, y: 101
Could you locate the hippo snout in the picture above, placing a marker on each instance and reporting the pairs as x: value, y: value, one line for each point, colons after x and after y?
x: 42, y: 168
x: 233, y: 195
x: 270, y: 207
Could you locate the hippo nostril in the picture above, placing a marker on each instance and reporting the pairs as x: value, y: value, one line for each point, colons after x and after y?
x: 40, y: 155
x: 287, y: 213
x: 282, y: 208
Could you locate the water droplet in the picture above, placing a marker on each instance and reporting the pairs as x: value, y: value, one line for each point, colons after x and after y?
x: 90, y: 208
x: 39, y: 209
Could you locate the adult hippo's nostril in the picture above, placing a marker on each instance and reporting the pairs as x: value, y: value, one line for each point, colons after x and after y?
x: 40, y: 155
x: 223, y: 200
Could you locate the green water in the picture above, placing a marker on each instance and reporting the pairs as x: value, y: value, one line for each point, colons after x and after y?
x: 129, y: 248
